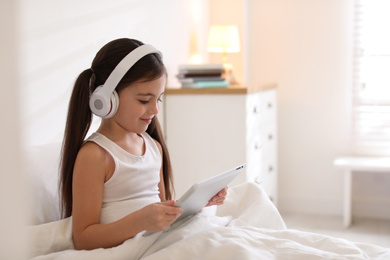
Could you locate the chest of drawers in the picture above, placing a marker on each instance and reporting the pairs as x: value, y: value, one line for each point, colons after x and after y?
x: 212, y: 130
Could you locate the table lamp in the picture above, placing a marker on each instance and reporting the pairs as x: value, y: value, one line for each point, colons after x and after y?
x: 224, y: 39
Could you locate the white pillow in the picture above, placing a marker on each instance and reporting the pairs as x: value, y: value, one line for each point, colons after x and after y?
x: 42, y: 168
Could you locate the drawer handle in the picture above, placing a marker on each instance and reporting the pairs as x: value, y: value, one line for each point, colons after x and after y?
x: 255, y: 110
x: 270, y: 105
x: 257, y: 146
x: 270, y: 137
x: 270, y: 169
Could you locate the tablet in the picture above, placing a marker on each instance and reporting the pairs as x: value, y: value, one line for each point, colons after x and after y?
x: 200, y: 193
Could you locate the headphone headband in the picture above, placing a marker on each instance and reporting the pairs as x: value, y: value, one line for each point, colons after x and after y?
x: 125, y: 65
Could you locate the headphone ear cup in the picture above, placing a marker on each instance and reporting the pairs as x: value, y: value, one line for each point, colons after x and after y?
x: 114, y: 105
x: 101, y: 106
x: 98, y: 103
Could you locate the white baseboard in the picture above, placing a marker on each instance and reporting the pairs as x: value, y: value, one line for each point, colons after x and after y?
x: 378, y: 208
x: 373, y: 207
x: 310, y: 205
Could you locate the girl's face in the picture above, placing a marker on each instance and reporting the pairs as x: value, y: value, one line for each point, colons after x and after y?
x: 139, y: 103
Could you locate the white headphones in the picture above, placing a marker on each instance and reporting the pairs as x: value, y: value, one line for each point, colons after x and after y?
x: 104, y: 101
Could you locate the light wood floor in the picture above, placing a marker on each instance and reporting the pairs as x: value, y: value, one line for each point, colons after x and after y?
x: 362, y: 230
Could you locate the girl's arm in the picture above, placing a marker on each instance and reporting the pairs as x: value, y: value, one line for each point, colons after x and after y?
x: 92, y: 168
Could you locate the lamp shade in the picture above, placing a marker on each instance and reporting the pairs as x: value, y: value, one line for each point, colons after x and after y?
x: 223, y: 38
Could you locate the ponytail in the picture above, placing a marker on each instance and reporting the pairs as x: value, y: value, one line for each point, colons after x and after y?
x: 77, y: 126
x: 154, y: 130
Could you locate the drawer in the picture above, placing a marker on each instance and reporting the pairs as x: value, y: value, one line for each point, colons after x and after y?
x: 264, y: 173
x: 268, y: 178
x: 268, y: 135
x: 261, y: 107
x: 262, y: 135
x: 254, y: 164
x: 261, y: 164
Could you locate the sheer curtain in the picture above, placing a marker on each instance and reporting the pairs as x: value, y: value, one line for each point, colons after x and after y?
x: 371, y: 90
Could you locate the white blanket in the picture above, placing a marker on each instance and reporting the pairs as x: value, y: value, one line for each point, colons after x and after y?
x: 247, y: 226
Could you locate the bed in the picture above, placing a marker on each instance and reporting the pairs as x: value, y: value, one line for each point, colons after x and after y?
x: 247, y: 226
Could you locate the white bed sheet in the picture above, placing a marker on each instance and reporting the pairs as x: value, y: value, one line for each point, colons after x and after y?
x: 247, y: 226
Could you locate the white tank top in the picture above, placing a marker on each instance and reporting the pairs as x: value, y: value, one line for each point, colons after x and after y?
x: 134, y: 183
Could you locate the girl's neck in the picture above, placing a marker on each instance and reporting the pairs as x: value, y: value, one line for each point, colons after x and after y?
x: 131, y: 142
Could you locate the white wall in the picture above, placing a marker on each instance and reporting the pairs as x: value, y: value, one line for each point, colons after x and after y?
x: 12, y: 186
x: 60, y: 38
x: 305, y: 46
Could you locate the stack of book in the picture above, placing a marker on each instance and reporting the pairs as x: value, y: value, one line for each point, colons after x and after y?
x: 202, y: 76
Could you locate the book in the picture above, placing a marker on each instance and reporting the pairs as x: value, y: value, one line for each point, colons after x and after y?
x: 200, y: 72
x: 200, y: 75
x: 207, y: 67
x: 200, y: 79
x: 206, y: 84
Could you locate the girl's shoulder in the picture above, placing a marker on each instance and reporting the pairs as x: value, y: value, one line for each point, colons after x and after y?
x: 93, y: 156
x: 157, y: 143
x: 92, y: 150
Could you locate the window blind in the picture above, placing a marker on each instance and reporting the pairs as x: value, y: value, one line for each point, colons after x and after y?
x: 371, y: 82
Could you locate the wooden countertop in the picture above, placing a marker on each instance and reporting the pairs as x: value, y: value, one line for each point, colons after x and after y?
x: 232, y: 89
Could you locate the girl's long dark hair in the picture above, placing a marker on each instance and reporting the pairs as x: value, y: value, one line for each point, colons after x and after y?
x: 79, y: 118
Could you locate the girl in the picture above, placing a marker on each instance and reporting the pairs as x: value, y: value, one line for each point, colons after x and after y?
x: 118, y: 182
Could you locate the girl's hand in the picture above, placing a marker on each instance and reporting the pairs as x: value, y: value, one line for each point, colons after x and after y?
x: 158, y: 216
x: 219, y: 198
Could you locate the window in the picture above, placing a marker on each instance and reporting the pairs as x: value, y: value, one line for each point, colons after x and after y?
x: 371, y: 90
